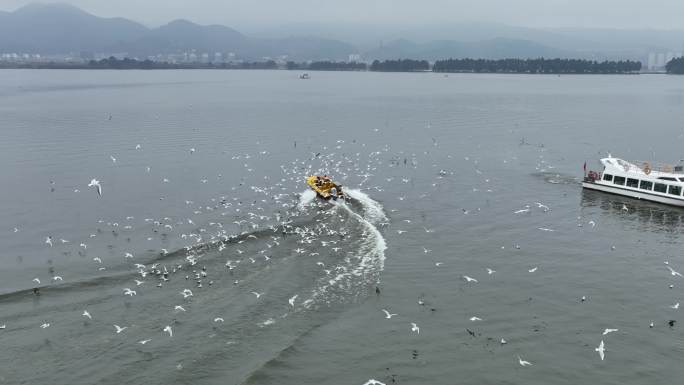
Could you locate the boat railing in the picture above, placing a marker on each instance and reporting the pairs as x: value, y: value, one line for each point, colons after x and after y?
x: 647, y: 167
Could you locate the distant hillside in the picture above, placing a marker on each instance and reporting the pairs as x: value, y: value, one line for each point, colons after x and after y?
x: 498, y: 48
x: 62, y: 29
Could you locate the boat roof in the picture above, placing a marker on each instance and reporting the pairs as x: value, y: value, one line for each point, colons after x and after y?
x: 638, y: 168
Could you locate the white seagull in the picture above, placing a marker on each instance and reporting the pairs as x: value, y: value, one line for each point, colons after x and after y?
x: 475, y: 319
x: 673, y: 272
x: 218, y: 319
x: 96, y: 183
x: 388, y: 315
x: 179, y: 307
x: 532, y: 270
x: 373, y: 381
x: 45, y: 325
x: 168, y: 330
x: 257, y: 294
x: 601, y: 350
x: 469, y: 279
x: 415, y: 328
x: 291, y: 300
x: 523, y: 362
x: 143, y: 342
x: 86, y: 314
x: 675, y: 306
x: 130, y: 292
x: 119, y: 329
x: 490, y: 271
x: 609, y: 331
x: 48, y: 240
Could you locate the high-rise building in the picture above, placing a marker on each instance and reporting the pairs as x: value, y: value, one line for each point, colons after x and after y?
x: 651, y: 61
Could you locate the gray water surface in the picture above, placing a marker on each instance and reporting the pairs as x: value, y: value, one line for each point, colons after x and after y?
x: 448, y: 176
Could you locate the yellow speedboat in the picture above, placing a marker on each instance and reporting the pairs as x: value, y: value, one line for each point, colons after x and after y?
x: 325, y: 187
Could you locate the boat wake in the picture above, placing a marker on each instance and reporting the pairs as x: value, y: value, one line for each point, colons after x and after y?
x: 268, y: 284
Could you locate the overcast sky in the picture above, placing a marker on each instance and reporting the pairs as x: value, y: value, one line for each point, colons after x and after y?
x: 661, y: 14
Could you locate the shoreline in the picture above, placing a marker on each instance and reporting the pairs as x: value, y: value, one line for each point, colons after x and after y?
x: 218, y: 68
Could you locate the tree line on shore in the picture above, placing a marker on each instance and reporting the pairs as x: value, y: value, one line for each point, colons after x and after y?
x: 530, y: 66
x: 675, y: 66
x: 537, y: 66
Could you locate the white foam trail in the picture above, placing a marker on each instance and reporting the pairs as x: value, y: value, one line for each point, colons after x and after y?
x: 370, y: 256
x: 305, y: 199
x: 373, y: 211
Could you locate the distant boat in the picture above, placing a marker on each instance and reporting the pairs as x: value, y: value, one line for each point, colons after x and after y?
x: 304, y: 76
x: 664, y: 184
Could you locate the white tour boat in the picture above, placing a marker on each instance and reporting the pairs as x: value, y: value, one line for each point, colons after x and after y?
x: 640, y: 180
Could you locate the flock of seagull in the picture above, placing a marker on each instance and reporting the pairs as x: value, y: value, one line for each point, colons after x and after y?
x: 278, y: 194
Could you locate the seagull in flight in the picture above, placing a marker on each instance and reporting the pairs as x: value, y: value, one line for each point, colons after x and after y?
x: 36, y: 280
x: 45, y: 325
x: 218, y: 319
x: 257, y: 294
x: 86, y: 314
x: 490, y: 271
x: 469, y: 279
x: 609, y: 331
x: 373, y: 381
x: 532, y: 270
x: 292, y: 300
x: 601, y: 350
x: 415, y: 328
x: 168, y: 330
x: 388, y: 315
x: 119, y: 329
x: 143, y: 342
x: 523, y: 362
x: 186, y: 293
x: 96, y: 183
x: 475, y: 319
x: 179, y: 307
x: 130, y: 292
x: 673, y: 272
x: 48, y: 240
x: 675, y: 306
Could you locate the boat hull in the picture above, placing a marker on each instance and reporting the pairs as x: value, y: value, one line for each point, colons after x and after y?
x: 324, y: 191
x: 635, y: 194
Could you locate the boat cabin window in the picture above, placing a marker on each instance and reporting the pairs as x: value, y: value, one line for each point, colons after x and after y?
x: 660, y: 187
x: 646, y: 185
x: 608, y: 177
x: 681, y: 179
x: 632, y: 183
x: 675, y: 190
x: 619, y: 180
x: 667, y: 178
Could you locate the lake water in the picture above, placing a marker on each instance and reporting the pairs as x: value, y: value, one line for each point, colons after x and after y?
x: 202, y: 176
